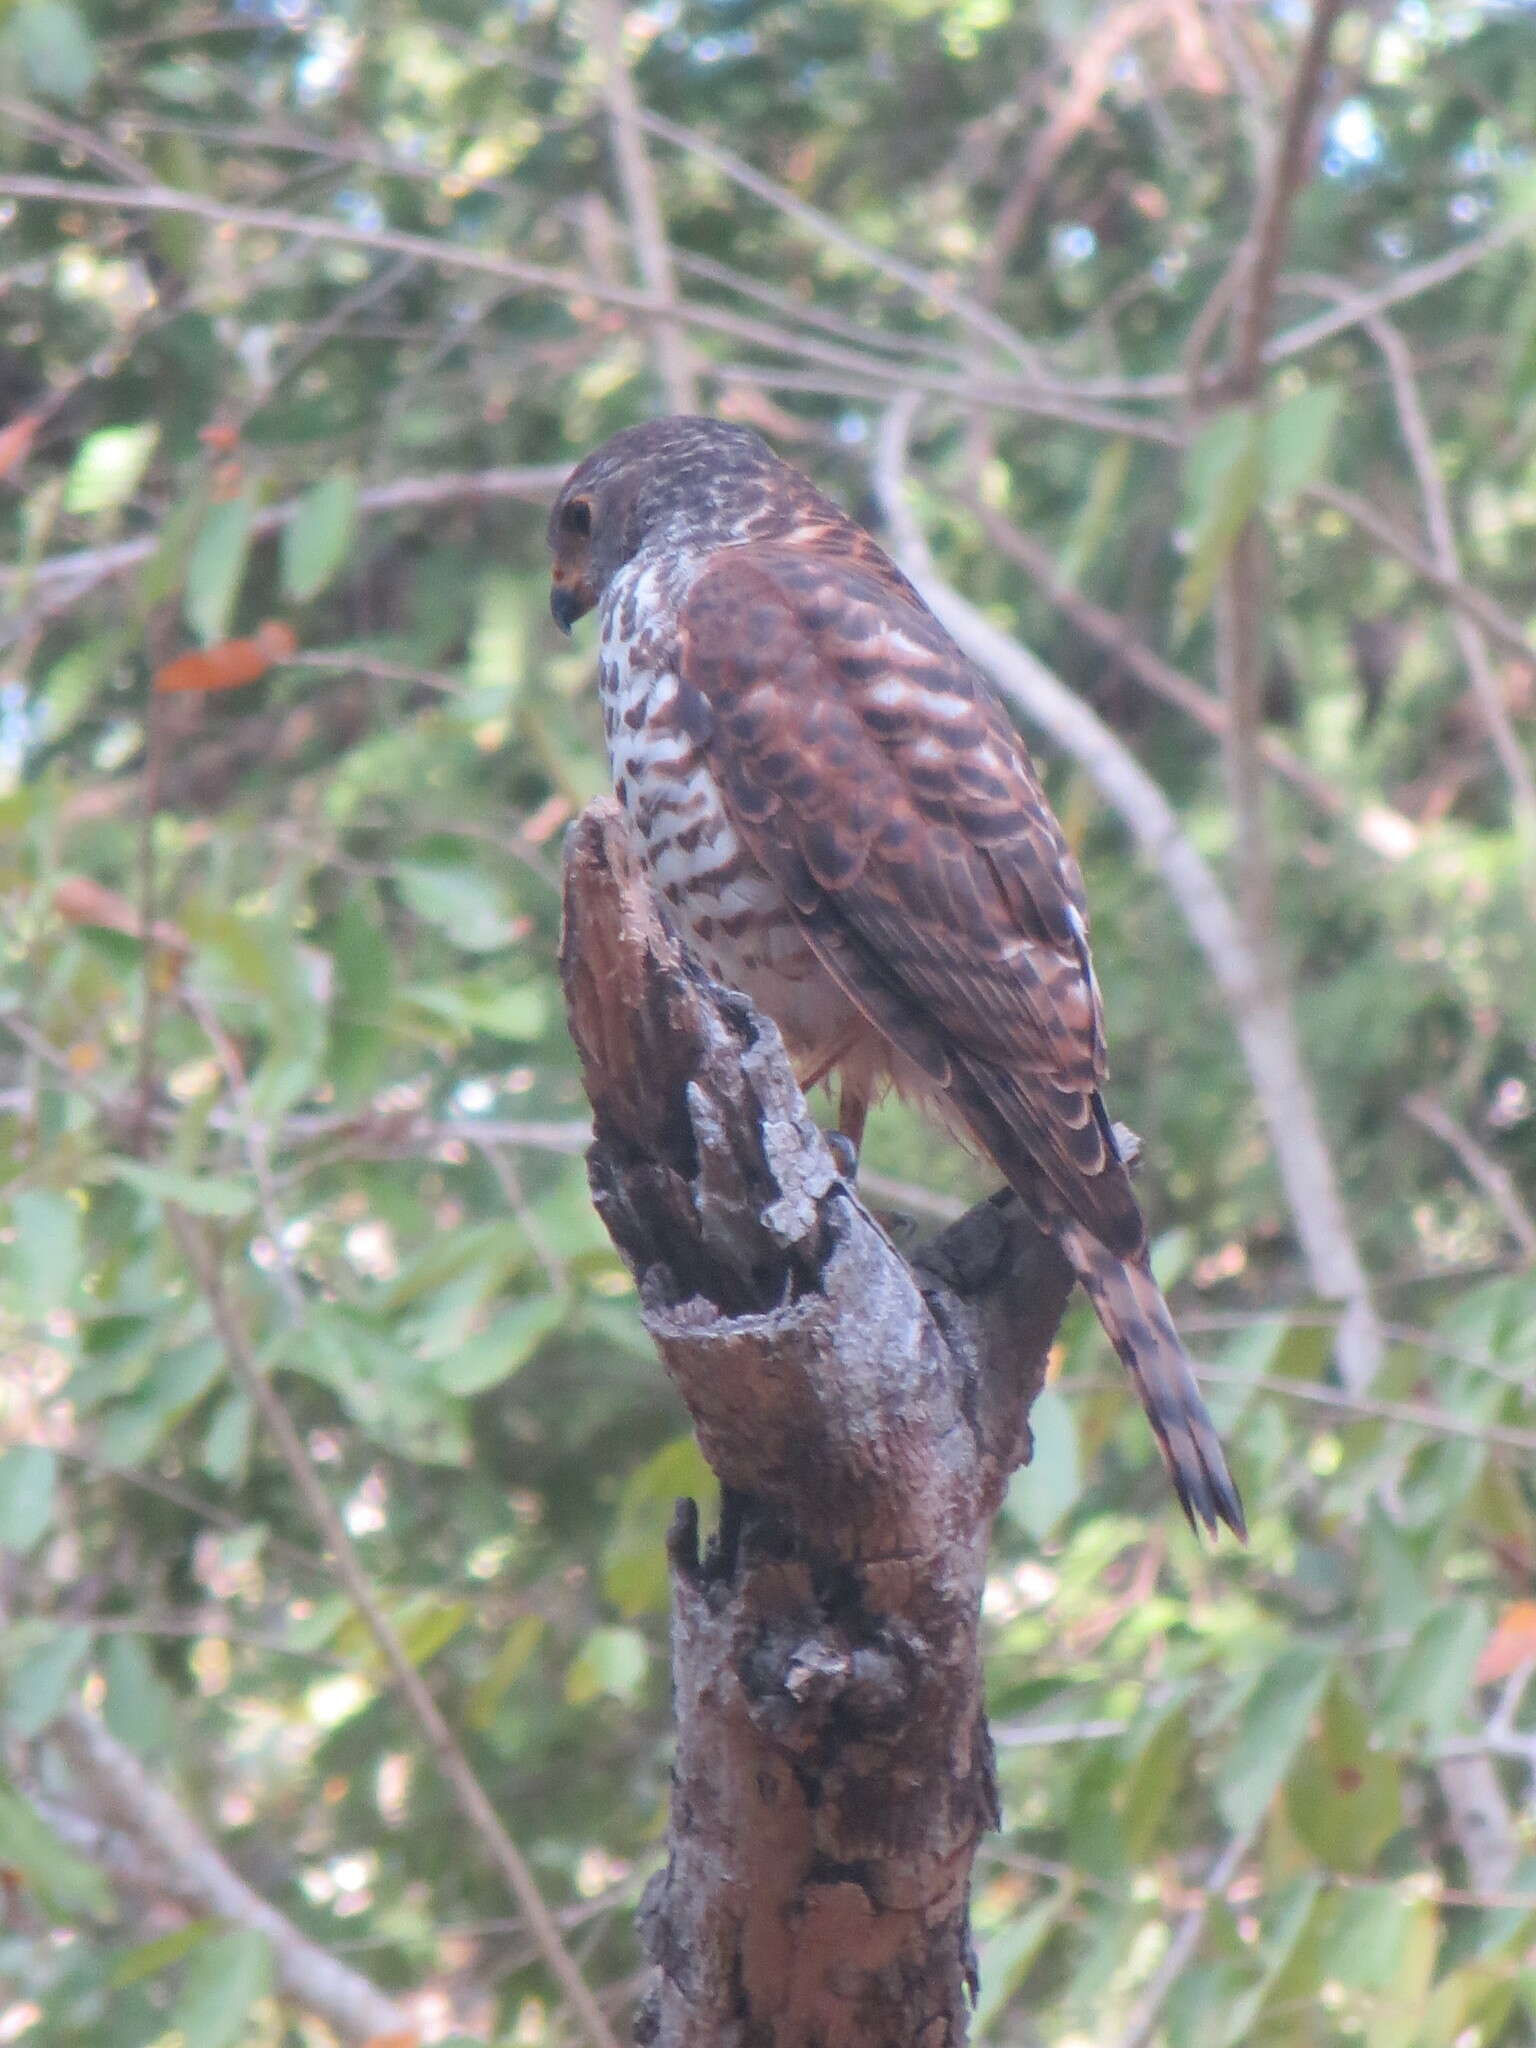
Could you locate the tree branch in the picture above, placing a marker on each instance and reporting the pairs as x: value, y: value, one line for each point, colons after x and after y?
x: 637, y: 180
x: 109, y: 1786
x: 834, y: 1773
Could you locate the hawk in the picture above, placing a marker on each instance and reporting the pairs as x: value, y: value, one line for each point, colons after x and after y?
x: 845, y: 826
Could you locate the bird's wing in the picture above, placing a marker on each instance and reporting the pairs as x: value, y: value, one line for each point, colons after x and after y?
x: 871, y: 771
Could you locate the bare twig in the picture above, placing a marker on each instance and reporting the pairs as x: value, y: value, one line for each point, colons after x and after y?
x: 1418, y: 439
x: 1283, y: 180
x: 574, y: 286
x: 69, y: 576
x: 1379, y: 826
x: 1494, y: 1178
x: 109, y: 1784
x: 1142, y: 2024
x: 637, y: 180
x: 1487, y: 612
x: 1092, y: 59
x: 470, y: 1795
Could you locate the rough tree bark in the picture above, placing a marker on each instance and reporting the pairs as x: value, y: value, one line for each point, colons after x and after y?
x: 863, y: 1412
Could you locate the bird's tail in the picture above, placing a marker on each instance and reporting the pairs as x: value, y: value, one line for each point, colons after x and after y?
x: 1128, y: 1303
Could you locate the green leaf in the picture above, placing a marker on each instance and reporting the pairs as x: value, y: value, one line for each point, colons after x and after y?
x: 172, y: 1388
x: 1095, y: 523
x: 1044, y: 1490
x: 57, y: 50
x: 496, y: 1352
x: 1365, y: 1936
x: 1271, y: 1729
x: 164, y: 574
x: 612, y: 1661
x: 139, y: 1708
x: 109, y: 466
x: 517, y: 1014
x: 635, y: 1557
x: 470, y: 907
x: 38, y: 1670
x: 426, y: 1625
x: 314, y: 543
x: 362, y: 996
x: 1433, y: 1678
x: 224, y: 1978
x: 1343, y: 1798
x: 60, y: 1884
x: 503, y: 1671
x: 498, y: 641
x: 1008, y: 1956
x: 45, y: 1256
x: 216, y: 566
x: 1153, y: 1781
x: 27, y: 1476
x: 1223, y: 484
x: 198, y: 1194
x: 149, y: 1958
x: 1299, y: 436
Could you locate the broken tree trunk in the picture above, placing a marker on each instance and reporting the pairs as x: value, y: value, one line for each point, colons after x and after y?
x: 863, y: 1413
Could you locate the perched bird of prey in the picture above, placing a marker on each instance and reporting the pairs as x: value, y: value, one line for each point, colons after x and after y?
x: 844, y: 825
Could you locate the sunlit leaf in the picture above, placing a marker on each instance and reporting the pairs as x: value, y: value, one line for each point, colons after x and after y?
x: 1431, y: 1681
x: 57, y: 50
x: 199, y: 1195
x: 611, y: 1661
x: 109, y: 467
x: 56, y: 1880
x: 1343, y: 1797
x: 216, y: 566
x: 1270, y: 1731
x: 315, y: 541
x: 224, y: 1978
x: 27, y: 1476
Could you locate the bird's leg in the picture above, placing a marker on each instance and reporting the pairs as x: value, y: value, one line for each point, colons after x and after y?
x: 852, y: 1109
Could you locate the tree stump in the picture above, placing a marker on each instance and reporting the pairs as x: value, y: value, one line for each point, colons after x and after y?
x: 863, y: 1412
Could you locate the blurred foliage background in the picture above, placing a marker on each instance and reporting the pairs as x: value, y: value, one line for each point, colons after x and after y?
x: 304, y: 309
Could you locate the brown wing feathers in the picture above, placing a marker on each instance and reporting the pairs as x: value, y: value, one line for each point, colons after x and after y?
x: 876, y: 779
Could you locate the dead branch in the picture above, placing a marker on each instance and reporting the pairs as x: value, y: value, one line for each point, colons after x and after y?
x: 834, y: 1772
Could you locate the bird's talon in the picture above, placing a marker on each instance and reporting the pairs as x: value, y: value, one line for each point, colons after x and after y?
x: 845, y: 1154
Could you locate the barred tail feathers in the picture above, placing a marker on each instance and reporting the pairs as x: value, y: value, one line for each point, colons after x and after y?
x: 1135, y: 1317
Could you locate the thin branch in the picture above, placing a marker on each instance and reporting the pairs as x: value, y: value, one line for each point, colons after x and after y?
x: 924, y: 284
x: 1418, y: 439
x: 109, y: 1783
x: 1378, y: 826
x: 573, y: 286
x: 637, y: 180
x: 1369, y: 1407
x: 470, y: 1795
x: 70, y: 135
x: 1488, y: 1173
x: 1399, y: 290
x: 1283, y: 183
x: 81, y: 569
x: 1092, y: 59
x: 1142, y: 2024
x: 1499, y: 624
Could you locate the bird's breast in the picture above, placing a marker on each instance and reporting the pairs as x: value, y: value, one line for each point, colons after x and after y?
x: 727, y: 908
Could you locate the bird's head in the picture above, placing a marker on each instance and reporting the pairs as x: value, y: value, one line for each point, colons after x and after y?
x: 674, y: 483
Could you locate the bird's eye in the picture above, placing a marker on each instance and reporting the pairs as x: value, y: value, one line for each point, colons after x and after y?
x: 577, y: 518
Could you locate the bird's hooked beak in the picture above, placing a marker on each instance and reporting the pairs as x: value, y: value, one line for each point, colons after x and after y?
x: 569, y: 600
